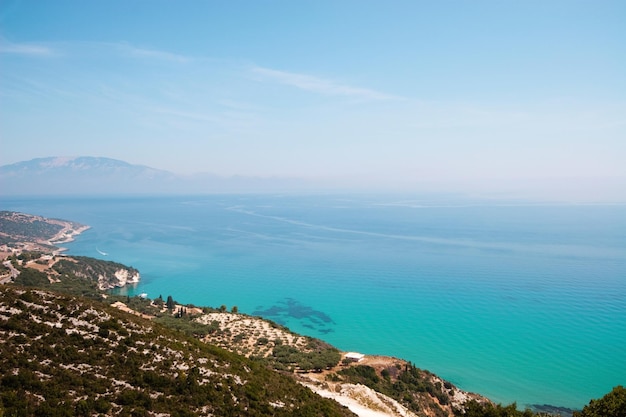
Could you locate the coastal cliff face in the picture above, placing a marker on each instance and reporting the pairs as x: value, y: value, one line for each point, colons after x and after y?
x: 106, y: 274
x: 31, y: 243
x: 26, y: 232
x: 124, y: 277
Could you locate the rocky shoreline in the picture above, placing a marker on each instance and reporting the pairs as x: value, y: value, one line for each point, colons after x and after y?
x: 68, y: 234
x: 26, y: 232
x: 40, y: 237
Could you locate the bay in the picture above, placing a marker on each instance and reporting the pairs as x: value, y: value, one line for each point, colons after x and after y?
x: 519, y: 302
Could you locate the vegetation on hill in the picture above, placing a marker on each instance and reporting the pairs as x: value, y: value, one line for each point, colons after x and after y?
x: 475, y: 409
x: 16, y: 227
x: 106, y: 274
x: 286, y: 351
x: 315, y: 356
x: 418, y: 390
x: 612, y: 404
x: 402, y: 383
x: 78, y: 275
x: 63, y: 355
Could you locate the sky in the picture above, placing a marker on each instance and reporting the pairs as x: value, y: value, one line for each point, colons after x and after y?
x: 479, y: 96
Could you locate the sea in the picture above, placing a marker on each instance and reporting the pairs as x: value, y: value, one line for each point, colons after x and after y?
x: 518, y: 301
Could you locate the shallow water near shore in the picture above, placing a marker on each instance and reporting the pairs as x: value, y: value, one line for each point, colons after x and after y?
x: 518, y: 302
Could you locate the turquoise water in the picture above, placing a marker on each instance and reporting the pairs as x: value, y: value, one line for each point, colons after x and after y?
x: 521, y: 303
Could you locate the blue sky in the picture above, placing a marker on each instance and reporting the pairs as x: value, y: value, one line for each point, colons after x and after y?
x: 478, y: 96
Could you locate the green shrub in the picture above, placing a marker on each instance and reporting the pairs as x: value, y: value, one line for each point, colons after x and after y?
x: 612, y: 404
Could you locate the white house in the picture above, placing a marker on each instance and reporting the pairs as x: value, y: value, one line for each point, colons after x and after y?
x: 354, y: 357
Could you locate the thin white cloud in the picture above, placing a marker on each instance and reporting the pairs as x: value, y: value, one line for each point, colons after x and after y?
x: 320, y: 85
x: 80, y: 48
x: 187, y: 115
x: 28, y: 49
x: 152, y: 53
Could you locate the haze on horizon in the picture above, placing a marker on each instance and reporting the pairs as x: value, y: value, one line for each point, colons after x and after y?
x: 520, y: 98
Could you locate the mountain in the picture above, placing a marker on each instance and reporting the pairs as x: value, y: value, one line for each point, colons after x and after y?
x: 86, y: 175
x: 82, y: 175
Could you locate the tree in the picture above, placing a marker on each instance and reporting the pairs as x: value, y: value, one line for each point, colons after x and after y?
x: 474, y: 409
x: 170, y: 303
x: 612, y: 404
x: 159, y: 302
x: 235, y: 309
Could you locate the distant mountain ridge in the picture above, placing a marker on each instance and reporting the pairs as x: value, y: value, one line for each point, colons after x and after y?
x: 86, y: 175
x: 80, y: 175
x: 79, y: 163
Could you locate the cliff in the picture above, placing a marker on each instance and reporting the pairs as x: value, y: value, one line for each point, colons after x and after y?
x: 31, y: 242
x: 106, y: 274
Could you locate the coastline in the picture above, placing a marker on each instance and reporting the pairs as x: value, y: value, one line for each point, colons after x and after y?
x: 256, y: 336
x: 69, y: 232
x: 366, y: 402
x: 152, y: 255
x: 34, y: 240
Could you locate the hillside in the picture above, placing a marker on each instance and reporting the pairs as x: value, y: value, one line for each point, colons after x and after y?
x: 31, y: 256
x: 29, y: 232
x: 393, y: 387
x: 407, y: 390
x: 62, y: 355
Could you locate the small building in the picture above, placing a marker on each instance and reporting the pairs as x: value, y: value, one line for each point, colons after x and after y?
x: 354, y: 357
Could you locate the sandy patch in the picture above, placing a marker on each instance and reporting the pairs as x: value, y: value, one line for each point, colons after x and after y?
x: 121, y: 306
x: 361, y: 400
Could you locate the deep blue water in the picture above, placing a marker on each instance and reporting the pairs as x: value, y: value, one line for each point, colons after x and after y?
x: 521, y: 303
